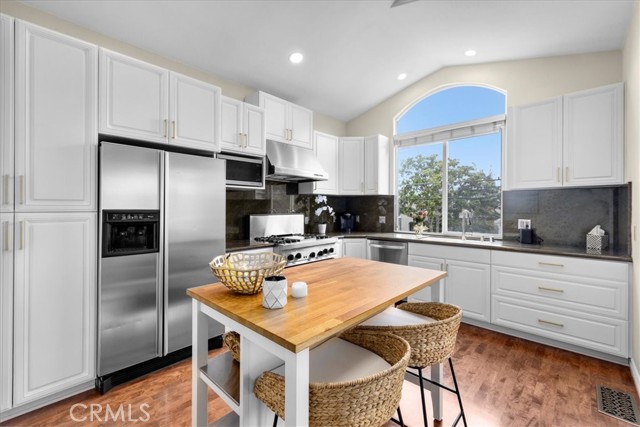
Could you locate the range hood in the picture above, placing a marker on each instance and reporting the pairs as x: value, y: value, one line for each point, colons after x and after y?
x: 288, y: 163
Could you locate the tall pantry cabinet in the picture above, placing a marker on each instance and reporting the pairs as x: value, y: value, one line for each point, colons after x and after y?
x: 48, y: 213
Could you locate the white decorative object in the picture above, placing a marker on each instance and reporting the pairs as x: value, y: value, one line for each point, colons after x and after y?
x: 299, y: 289
x: 274, y: 292
x: 322, y: 228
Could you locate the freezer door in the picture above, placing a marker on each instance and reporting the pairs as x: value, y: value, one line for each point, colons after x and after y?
x: 129, y: 311
x: 194, y: 235
x: 129, y: 177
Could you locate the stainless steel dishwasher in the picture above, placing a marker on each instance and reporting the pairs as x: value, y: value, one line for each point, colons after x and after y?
x: 387, y: 251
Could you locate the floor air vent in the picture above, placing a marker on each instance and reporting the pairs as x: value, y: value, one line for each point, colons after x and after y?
x: 617, y: 404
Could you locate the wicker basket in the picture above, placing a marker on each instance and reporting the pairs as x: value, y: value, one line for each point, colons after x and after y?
x: 244, y: 273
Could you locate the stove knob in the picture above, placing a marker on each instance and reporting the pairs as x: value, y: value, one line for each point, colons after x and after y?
x: 290, y: 257
x: 330, y: 250
x: 312, y: 255
x: 298, y: 255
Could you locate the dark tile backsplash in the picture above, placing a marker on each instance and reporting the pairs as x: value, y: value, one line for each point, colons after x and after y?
x: 559, y: 216
x: 564, y: 216
x: 282, y: 198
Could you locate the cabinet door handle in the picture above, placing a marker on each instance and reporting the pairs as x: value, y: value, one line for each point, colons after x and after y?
x: 7, y: 236
x: 290, y: 134
x: 5, y: 189
x: 566, y: 174
x: 175, y: 129
x: 542, y: 288
x: 550, y: 264
x: 246, y: 140
x: 22, y: 242
x: 558, y: 175
x: 549, y: 322
x: 23, y: 191
x: 165, y: 126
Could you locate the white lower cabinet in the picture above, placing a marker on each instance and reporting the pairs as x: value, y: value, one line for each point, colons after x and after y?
x: 584, y: 302
x: 354, y: 247
x: 6, y: 311
x: 54, y: 303
x: 467, y: 284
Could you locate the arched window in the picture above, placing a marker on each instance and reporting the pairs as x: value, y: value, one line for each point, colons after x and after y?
x: 449, y: 161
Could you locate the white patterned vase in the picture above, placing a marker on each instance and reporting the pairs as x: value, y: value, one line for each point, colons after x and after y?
x: 274, y: 292
x: 419, y: 229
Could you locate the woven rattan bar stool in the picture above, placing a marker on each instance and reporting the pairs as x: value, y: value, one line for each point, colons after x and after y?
x: 431, y: 329
x: 354, y: 380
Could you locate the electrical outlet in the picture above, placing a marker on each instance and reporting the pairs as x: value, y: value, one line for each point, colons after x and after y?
x: 524, y: 223
x: 357, y: 218
x: 306, y: 220
x: 382, y: 219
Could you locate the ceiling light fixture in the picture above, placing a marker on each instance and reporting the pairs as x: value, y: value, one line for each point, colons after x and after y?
x: 402, y: 76
x: 470, y: 52
x: 296, y: 57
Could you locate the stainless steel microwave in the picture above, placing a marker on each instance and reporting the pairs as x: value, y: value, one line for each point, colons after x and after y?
x: 244, y: 171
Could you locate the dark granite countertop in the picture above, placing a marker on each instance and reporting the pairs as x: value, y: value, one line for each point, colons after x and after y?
x: 502, y: 245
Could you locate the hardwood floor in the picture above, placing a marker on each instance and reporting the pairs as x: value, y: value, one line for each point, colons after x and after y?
x: 505, y: 382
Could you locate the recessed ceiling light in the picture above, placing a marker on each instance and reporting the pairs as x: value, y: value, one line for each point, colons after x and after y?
x: 470, y: 52
x: 296, y: 57
x: 402, y: 76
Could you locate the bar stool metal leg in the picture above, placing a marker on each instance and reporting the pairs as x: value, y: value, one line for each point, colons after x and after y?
x: 455, y: 384
x: 424, y: 405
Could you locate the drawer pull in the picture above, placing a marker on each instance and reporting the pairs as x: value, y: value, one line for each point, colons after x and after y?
x: 549, y: 322
x: 550, y: 264
x: 542, y: 288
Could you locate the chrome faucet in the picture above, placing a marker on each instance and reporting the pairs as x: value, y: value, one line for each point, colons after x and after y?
x: 466, y: 216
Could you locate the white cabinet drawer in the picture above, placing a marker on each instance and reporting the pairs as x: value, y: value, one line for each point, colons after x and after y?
x: 450, y: 252
x: 592, y: 296
x: 609, y: 270
x: 595, y: 332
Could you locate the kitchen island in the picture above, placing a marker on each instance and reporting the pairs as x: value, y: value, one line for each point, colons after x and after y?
x: 342, y: 293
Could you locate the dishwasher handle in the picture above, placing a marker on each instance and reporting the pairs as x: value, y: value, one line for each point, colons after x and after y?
x: 396, y: 248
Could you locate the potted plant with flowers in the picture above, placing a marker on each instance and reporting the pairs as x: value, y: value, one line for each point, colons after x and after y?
x: 324, y: 212
x: 419, y: 217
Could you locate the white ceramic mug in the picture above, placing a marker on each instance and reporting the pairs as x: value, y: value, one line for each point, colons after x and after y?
x: 299, y: 289
x: 274, y: 292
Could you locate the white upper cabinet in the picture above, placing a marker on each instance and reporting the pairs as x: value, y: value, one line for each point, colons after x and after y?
x: 139, y: 100
x: 134, y: 98
x: 593, y: 136
x: 534, y: 145
x: 574, y: 140
x: 364, y: 165
x: 195, y: 113
x: 56, y: 90
x: 242, y: 127
x: 351, y: 165
x: 6, y: 113
x: 285, y: 122
x: 326, y: 148
x: 376, y: 165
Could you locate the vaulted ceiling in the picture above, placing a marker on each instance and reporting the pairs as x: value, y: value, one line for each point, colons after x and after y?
x: 353, y: 50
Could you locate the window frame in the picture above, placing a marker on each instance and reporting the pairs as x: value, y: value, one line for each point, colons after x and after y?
x: 445, y: 134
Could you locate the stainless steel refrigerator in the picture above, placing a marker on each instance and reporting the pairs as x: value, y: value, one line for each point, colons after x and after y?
x: 162, y: 221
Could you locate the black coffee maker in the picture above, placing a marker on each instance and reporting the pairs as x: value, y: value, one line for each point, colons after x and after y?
x: 346, y: 222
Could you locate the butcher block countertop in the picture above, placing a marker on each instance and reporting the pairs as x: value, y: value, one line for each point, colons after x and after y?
x: 342, y: 293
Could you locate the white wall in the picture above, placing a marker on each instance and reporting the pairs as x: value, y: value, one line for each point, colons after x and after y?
x: 631, y: 75
x: 524, y: 80
x: 229, y: 88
